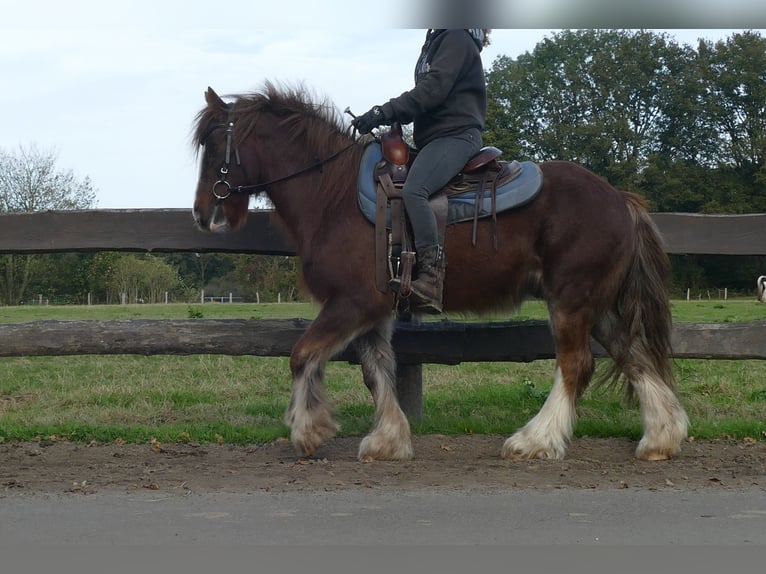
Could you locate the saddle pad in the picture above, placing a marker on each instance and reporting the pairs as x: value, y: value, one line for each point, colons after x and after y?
x: 515, y: 193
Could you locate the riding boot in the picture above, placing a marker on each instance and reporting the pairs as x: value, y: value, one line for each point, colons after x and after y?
x: 427, y: 289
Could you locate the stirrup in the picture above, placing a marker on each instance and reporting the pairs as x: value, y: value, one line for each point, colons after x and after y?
x: 402, y: 284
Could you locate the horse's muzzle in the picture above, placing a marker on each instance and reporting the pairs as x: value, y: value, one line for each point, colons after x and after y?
x: 215, y: 223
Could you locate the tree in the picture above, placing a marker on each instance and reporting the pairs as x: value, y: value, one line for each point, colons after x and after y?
x: 268, y: 276
x: 595, y: 97
x: 30, y: 181
x: 685, y: 128
x: 735, y: 104
x: 143, y: 278
x: 62, y: 277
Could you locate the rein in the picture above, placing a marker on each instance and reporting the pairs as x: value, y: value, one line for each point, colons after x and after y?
x: 258, y: 187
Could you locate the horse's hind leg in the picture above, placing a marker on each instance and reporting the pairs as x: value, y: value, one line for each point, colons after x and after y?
x: 651, y: 380
x: 547, y: 435
x: 390, y: 438
x: 665, y: 420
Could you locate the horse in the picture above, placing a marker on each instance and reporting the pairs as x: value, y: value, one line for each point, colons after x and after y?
x: 590, y: 251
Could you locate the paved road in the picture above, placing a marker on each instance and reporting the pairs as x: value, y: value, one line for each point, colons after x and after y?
x: 557, y: 517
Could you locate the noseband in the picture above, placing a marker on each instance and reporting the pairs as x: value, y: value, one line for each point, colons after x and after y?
x: 258, y: 187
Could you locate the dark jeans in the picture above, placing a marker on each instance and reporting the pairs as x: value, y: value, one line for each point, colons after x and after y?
x: 436, y: 164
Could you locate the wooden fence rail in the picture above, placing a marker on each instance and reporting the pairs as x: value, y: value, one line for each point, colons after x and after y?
x: 443, y: 342
x: 171, y: 230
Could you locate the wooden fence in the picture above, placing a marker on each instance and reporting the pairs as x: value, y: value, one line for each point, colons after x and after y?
x: 435, y: 342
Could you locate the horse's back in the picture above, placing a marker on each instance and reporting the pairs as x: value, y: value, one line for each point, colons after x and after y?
x: 577, y: 231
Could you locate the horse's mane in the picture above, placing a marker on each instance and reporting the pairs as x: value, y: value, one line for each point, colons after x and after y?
x: 320, y: 124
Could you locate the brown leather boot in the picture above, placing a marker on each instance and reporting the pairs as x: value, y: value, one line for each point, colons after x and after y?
x: 427, y: 289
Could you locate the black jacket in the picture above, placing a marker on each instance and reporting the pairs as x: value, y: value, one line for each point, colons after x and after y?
x: 450, y: 93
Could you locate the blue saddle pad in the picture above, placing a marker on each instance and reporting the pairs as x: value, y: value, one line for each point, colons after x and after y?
x: 517, y: 192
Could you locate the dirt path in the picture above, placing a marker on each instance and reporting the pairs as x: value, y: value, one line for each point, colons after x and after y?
x: 441, y: 462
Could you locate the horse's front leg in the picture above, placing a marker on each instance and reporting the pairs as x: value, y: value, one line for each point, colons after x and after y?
x: 309, y: 414
x: 390, y: 438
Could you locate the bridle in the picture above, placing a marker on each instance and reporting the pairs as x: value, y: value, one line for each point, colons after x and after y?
x: 227, y: 160
x: 258, y: 187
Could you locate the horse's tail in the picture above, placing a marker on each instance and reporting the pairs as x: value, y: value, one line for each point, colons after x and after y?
x: 641, y: 322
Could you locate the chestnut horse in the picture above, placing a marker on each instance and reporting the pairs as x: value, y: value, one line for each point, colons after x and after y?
x: 590, y: 251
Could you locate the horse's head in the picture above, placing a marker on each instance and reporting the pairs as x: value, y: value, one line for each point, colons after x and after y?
x: 220, y: 204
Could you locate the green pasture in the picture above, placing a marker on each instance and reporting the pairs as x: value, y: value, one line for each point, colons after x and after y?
x: 241, y: 400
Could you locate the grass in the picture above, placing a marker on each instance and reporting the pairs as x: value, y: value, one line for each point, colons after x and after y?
x: 241, y: 400
x: 170, y: 311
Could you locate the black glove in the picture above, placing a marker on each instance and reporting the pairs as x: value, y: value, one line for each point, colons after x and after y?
x: 369, y: 120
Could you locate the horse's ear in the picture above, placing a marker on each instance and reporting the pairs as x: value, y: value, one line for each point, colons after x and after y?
x: 213, y: 99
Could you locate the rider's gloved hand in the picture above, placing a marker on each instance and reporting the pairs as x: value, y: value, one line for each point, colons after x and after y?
x: 370, y: 120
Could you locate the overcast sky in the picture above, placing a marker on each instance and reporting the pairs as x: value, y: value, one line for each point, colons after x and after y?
x: 112, y: 87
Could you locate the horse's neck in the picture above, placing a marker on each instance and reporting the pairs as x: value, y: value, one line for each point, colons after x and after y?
x: 305, y: 203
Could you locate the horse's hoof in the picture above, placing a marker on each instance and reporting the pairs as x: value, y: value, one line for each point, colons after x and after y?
x: 644, y: 452
x: 661, y: 446
x: 518, y: 448
x: 304, y: 448
x: 307, y: 437
x: 653, y: 456
x: 373, y: 448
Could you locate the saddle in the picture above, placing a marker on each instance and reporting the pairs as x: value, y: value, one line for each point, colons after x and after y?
x: 471, y: 195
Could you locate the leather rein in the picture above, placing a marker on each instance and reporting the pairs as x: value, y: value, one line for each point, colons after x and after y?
x: 257, y: 187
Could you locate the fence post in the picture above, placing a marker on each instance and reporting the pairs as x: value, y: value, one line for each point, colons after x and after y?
x: 409, y: 383
x: 409, y: 390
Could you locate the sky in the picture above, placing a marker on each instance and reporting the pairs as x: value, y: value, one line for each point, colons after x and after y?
x: 112, y: 88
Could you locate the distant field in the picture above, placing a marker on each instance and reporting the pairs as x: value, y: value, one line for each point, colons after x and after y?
x: 242, y: 399
x: 171, y: 311
x: 698, y: 311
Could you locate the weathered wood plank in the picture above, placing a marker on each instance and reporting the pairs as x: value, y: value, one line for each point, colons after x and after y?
x: 158, y: 230
x: 720, y: 340
x: 692, y: 233
x: 172, y: 230
x: 443, y: 342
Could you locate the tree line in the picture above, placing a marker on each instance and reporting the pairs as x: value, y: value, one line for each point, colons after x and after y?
x: 684, y: 126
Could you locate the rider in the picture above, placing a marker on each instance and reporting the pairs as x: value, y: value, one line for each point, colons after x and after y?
x: 447, y: 108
